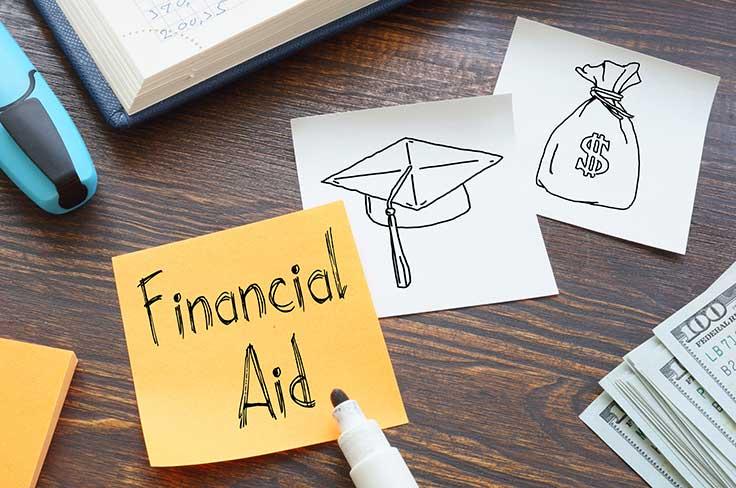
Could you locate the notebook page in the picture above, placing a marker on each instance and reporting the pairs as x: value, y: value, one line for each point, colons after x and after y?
x: 157, y: 34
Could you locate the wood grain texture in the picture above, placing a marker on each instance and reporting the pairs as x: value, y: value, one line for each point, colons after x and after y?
x: 493, y: 392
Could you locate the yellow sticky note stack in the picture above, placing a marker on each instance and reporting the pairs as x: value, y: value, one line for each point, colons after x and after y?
x: 33, y: 384
x: 237, y: 338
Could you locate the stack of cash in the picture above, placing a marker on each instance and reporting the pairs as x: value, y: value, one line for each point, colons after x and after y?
x: 669, y: 409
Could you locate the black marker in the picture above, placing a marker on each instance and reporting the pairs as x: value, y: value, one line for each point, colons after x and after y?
x: 373, y: 462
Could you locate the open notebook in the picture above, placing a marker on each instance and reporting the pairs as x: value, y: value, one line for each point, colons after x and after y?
x: 34, y: 381
x: 150, y: 50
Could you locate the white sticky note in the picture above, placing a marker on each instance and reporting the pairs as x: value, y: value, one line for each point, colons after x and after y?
x: 433, y: 195
x: 610, y: 139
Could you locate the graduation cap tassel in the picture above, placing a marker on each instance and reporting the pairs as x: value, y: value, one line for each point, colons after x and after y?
x: 401, y: 266
x: 402, y: 273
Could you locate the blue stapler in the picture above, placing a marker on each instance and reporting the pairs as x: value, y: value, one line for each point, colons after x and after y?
x: 41, y: 149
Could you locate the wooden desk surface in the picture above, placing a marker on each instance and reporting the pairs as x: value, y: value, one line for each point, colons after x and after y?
x: 493, y: 392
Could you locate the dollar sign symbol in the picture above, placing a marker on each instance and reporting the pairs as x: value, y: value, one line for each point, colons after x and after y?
x: 595, y: 162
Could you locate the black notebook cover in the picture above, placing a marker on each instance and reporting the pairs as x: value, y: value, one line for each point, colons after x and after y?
x: 108, y: 103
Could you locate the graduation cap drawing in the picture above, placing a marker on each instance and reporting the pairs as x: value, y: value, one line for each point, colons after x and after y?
x: 412, y: 184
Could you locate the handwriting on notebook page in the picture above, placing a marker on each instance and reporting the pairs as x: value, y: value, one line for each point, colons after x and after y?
x: 178, y: 17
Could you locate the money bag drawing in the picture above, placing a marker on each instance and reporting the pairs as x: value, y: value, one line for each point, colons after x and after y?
x: 592, y: 156
x: 413, y: 184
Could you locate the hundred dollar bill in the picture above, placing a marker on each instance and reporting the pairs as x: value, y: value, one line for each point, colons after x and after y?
x: 702, y: 455
x: 656, y: 363
x: 702, y: 336
x: 620, y: 433
x: 665, y: 433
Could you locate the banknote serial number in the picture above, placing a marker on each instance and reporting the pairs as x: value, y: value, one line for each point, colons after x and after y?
x: 725, y: 344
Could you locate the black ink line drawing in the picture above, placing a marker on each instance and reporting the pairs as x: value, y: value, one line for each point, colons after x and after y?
x: 300, y: 380
x: 413, y: 184
x: 592, y: 156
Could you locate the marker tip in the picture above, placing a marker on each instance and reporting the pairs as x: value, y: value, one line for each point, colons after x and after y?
x: 338, y: 396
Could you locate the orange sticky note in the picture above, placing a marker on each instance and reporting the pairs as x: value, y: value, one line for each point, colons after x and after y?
x: 237, y: 338
x: 33, y: 385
